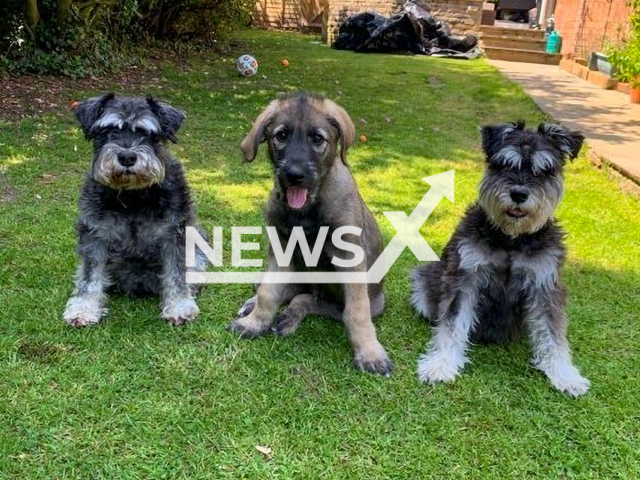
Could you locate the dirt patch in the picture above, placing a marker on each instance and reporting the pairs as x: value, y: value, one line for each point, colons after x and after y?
x: 8, y: 193
x: 31, y: 95
x: 43, y: 352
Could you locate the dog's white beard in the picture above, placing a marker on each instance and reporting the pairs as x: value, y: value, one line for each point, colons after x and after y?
x: 539, y: 208
x: 147, y: 171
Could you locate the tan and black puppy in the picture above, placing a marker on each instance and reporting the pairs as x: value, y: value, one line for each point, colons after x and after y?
x: 308, y: 137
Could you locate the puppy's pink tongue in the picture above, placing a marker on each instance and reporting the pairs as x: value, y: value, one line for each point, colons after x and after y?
x: 296, y: 197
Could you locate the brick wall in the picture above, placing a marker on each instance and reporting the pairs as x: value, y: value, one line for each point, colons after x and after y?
x: 285, y: 13
x: 462, y: 15
x: 587, y: 25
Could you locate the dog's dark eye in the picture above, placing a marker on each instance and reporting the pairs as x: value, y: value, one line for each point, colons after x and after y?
x: 317, y: 139
x: 110, y: 133
x: 282, y: 135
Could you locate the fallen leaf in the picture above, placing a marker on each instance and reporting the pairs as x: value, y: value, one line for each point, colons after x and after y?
x: 266, y: 451
x: 46, y: 178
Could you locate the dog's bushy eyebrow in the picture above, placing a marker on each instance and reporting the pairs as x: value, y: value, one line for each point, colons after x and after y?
x: 148, y: 124
x: 111, y: 119
x: 543, y: 161
x: 508, y: 156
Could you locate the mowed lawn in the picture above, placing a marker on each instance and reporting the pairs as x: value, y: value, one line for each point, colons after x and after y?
x: 137, y: 398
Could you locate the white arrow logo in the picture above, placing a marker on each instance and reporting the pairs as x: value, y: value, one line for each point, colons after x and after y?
x: 407, y: 235
x: 408, y: 228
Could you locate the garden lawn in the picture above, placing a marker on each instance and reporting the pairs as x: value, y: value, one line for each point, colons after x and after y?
x: 136, y: 398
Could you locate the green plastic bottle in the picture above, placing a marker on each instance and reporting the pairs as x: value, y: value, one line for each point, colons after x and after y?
x: 553, y: 42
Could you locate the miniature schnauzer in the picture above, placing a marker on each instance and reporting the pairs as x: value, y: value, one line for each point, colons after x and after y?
x: 500, y: 272
x: 134, y: 207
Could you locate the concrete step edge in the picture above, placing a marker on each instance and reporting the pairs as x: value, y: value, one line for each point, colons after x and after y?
x: 521, y: 50
x: 521, y: 39
x: 511, y: 32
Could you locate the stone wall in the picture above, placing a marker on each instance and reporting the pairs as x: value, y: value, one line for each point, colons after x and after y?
x: 462, y: 15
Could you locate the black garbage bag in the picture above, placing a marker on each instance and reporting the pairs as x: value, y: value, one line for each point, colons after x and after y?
x: 413, y: 30
x: 355, y: 30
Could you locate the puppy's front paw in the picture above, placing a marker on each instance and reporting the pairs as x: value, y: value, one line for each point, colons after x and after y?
x: 248, y: 327
x: 83, y: 311
x: 286, y: 324
x: 374, y: 360
x: 439, y: 367
x: 180, y: 311
x: 566, y: 378
x: 247, y: 308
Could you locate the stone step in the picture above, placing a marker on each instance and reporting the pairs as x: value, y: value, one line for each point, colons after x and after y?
x: 524, y: 56
x: 511, y: 32
x: 534, y: 44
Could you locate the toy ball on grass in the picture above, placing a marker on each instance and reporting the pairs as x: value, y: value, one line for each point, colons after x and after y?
x: 246, y: 65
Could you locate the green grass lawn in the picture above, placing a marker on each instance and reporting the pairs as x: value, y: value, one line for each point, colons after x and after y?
x: 137, y: 398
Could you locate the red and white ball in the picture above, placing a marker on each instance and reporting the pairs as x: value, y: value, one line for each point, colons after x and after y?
x: 246, y: 65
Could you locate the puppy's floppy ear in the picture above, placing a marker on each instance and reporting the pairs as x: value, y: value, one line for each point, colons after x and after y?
x: 170, y: 118
x: 339, y: 117
x: 89, y: 111
x: 255, y: 137
x: 493, y: 136
x: 569, y: 142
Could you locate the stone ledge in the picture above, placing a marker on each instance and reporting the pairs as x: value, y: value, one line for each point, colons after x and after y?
x: 580, y: 71
x: 601, y: 80
x: 623, y: 87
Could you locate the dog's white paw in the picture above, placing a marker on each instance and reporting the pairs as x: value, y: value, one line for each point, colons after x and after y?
x: 83, y: 311
x: 566, y: 378
x: 180, y: 311
x: 439, y: 367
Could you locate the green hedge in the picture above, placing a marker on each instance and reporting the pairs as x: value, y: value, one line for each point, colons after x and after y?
x: 84, y: 37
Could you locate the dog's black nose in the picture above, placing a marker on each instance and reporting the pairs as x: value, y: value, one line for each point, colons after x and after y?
x: 126, y: 158
x: 295, y: 173
x: 519, y: 194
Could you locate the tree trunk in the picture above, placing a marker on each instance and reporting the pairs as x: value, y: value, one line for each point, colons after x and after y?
x: 33, y: 16
x: 64, y: 7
